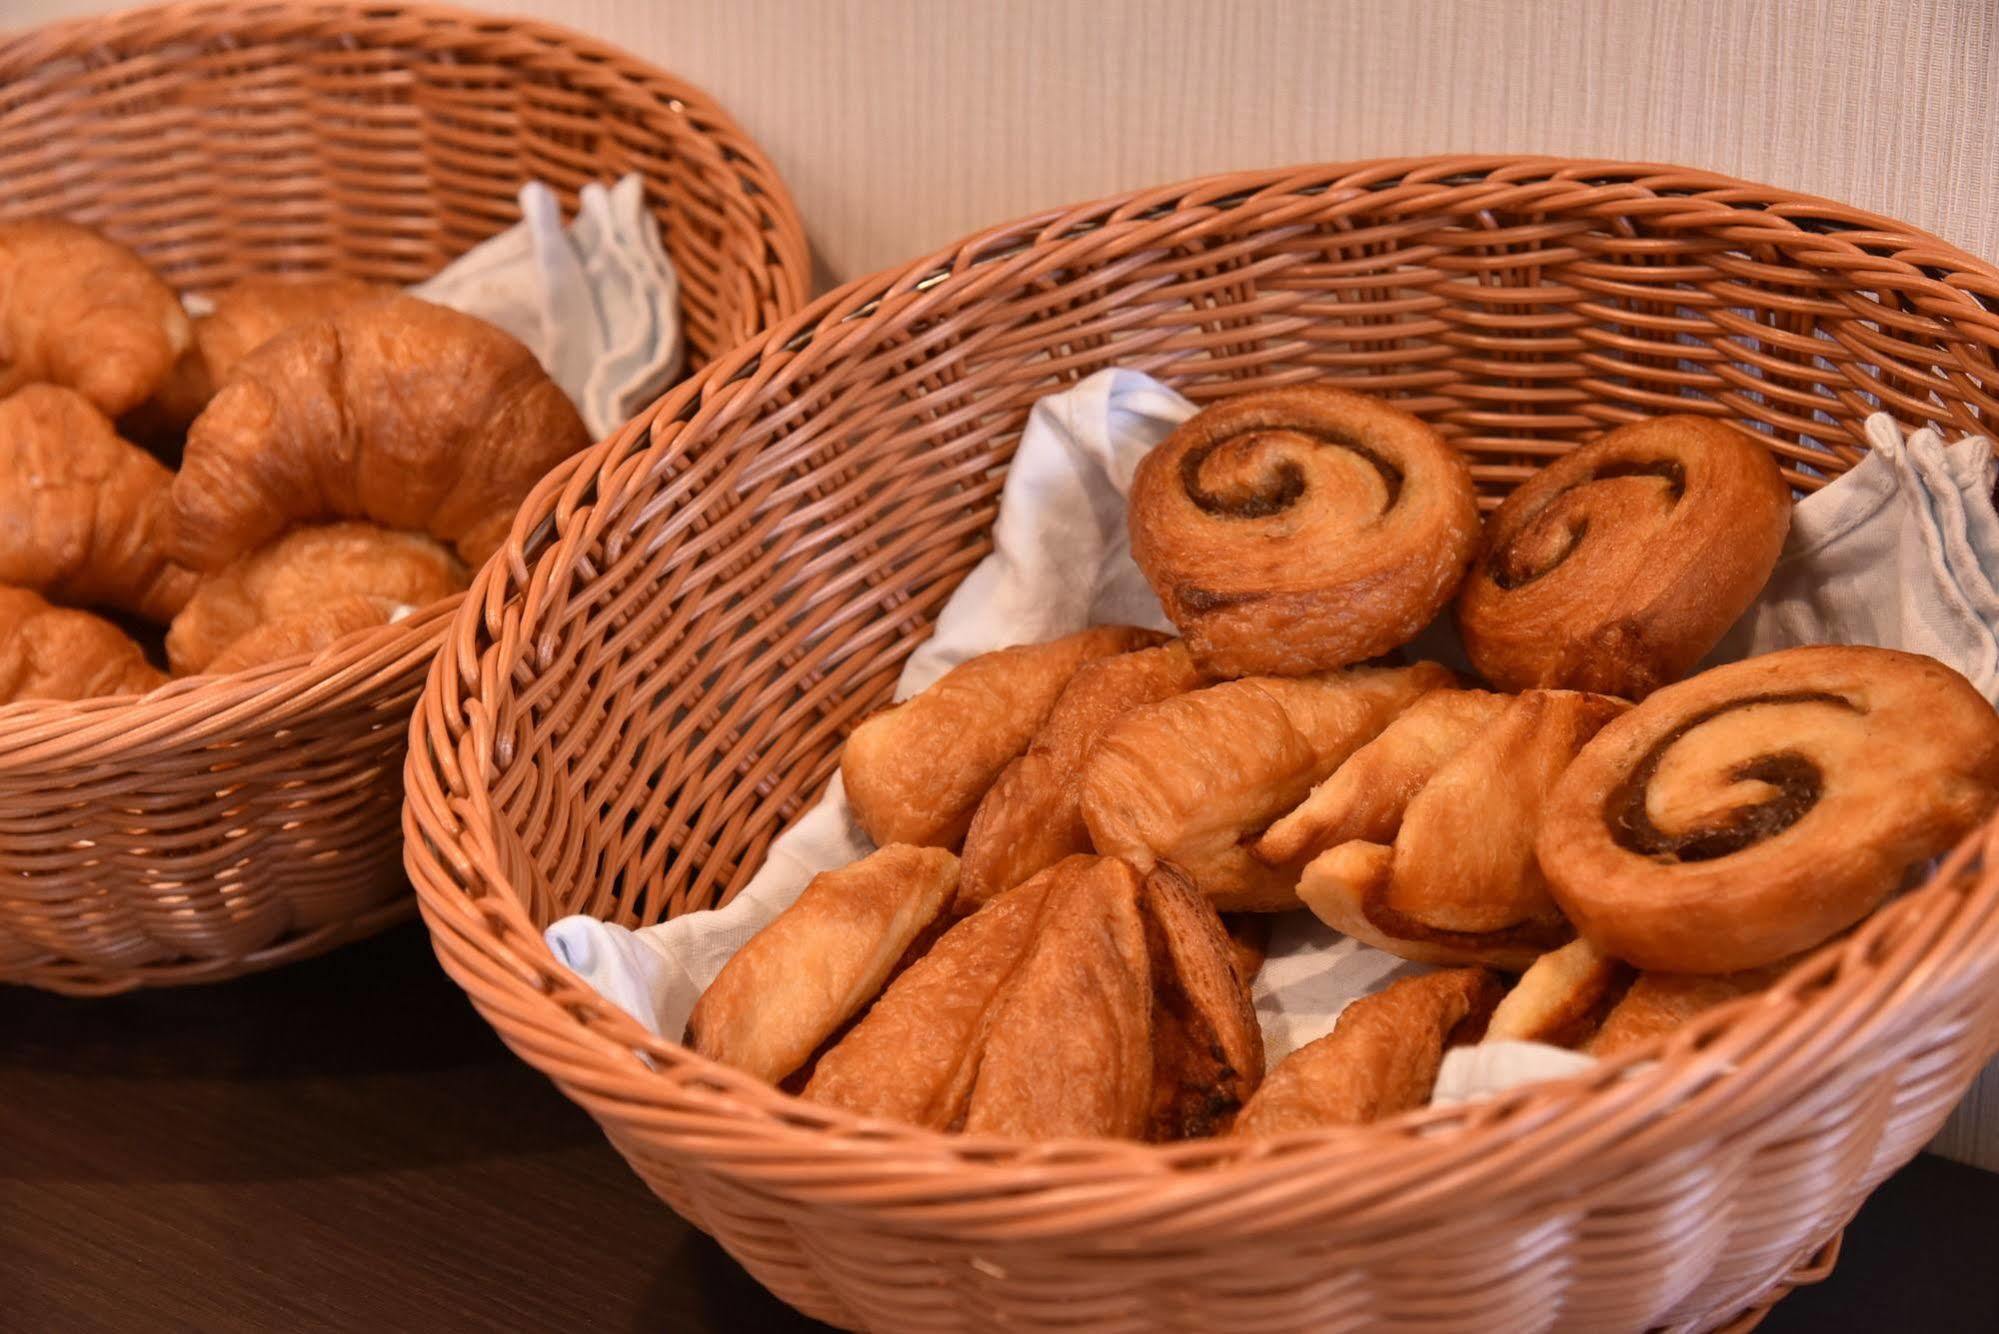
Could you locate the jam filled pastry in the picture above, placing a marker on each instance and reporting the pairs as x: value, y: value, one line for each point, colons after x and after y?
x: 55, y: 653
x: 812, y: 968
x: 1750, y: 813
x: 1207, y: 1048
x: 84, y: 312
x: 1298, y: 530
x: 916, y: 771
x: 1579, y: 997
x: 1460, y: 884
x: 301, y: 632
x: 83, y: 513
x: 1032, y: 816
x: 306, y: 569
x: 1617, y: 567
x: 1381, y: 1058
x: 407, y: 414
x: 1195, y: 778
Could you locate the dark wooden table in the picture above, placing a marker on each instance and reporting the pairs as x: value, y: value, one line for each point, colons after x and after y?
x: 345, y: 1145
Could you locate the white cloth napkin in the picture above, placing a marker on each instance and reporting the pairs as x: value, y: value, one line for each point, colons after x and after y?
x: 1897, y: 553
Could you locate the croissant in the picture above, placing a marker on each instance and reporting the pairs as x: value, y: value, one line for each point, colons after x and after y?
x: 410, y: 415
x: 303, y: 632
x: 307, y: 569
x: 1579, y: 997
x: 1753, y: 811
x: 55, y: 653
x: 82, y: 512
x: 1192, y: 778
x: 916, y: 771
x: 83, y: 312
x: 1032, y: 815
x: 1207, y: 1048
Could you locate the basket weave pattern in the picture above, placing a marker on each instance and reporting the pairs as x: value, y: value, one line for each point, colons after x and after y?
x: 224, y: 825
x: 657, y: 674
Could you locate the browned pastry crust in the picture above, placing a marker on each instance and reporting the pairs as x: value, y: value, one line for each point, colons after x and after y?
x: 407, y: 414
x: 916, y: 771
x: 1193, y: 779
x: 55, y: 653
x: 1298, y: 530
x: 1616, y: 568
x: 822, y: 959
x: 1032, y: 816
x: 1563, y: 998
x: 300, y: 632
x: 1460, y: 885
x: 84, y: 312
x: 1750, y: 813
x: 1658, y: 1003
x: 83, y: 513
x: 1207, y: 1048
x: 1249, y: 942
x: 1380, y: 1059
x: 301, y: 572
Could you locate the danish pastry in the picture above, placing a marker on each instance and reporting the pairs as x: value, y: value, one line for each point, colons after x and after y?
x: 916, y: 771
x: 306, y: 631
x: 1751, y: 812
x: 1616, y: 568
x: 1299, y: 530
x: 56, y: 653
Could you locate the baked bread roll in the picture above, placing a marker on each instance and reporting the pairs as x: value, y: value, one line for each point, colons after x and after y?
x: 83, y: 513
x: 84, y: 312
x: 56, y: 653
x: 1381, y: 1058
x: 302, y: 632
x: 1460, y: 884
x: 1195, y: 778
x: 1298, y: 530
x: 915, y: 771
x: 1750, y: 813
x: 409, y: 415
x: 307, y: 569
x: 1032, y: 816
x: 1616, y: 568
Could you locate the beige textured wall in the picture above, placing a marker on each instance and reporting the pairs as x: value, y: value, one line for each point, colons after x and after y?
x: 903, y: 124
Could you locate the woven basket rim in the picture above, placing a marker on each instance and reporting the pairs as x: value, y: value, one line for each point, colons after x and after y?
x: 1898, y: 955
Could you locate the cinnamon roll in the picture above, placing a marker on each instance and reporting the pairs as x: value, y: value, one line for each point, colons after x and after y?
x: 1750, y: 813
x: 1617, y: 567
x: 1299, y: 530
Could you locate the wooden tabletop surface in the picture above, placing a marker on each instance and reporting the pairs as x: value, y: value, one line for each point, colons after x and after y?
x: 344, y: 1145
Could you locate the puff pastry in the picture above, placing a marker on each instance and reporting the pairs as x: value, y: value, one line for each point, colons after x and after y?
x: 1207, y: 1048
x: 409, y: 415
x: 1658, y: 1003
x: 1580, y: 997
x: 81, y: 311
x: 1193, y: 779
x: 56, y: 653
x: 916, y: 771
x: 1616, y: 568
x: 1751, y: 812
x: 300, y: 632
x: 82, y: 512
x: 1298, y: 530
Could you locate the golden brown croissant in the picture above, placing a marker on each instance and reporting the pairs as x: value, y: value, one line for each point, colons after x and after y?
x: 300, y: 632
x: 915, y: 772
x: 820, y: 960
x: 1658, y: 1003
x: 1207, y: 1048
x: 1751, y: 812
x: 304, y: 570
x: 82, y: 311
x: 1032, y: 815
x: 55, y: 653
x: 82, y: 512
x: 1617, y: 567
x: 1579, y: 997
x: 410, y: 415
x: 1193, y: 778
x: 1298, y: 530
x: 1380, y: 1059
x: 1460, y: 885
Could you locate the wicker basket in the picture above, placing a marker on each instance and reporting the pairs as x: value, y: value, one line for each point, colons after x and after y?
x: 657, y: 676
x: 220, y: 826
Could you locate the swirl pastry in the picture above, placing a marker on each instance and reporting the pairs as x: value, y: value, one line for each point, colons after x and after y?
x: 1460, y: 884
x: 1619, y: 566
x: 410, y: 415
x: 1380, y: 1059
x: 82, y: 311
x: 1032, y: 816
x: 1299, y: 530
x: 83, y: 513
x: 55, y: 653
x: 916, y: 771
x: 1193, y: 779
x: 1750, y: 813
